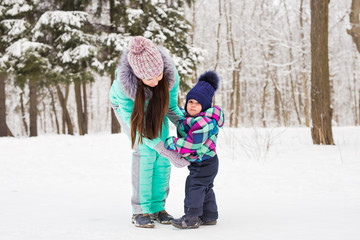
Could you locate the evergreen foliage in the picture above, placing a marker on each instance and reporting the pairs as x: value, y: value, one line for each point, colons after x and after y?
x: 166, y: 25
x: 73, y: 50
x: 66, y: 41
x: 21, y: 57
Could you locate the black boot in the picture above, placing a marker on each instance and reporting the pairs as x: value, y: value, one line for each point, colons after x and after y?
x: 162, y: 217
x: 208, y: 222
x: 186, y: 222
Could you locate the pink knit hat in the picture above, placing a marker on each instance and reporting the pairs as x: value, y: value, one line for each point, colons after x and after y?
x: 144, y: 58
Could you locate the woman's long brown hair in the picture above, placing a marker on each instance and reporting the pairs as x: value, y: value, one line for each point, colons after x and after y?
x: 149, y: 123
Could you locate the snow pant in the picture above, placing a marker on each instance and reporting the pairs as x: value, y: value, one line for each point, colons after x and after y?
x: 150, y: 180
x: 199, y: 194
x: 150, y: 175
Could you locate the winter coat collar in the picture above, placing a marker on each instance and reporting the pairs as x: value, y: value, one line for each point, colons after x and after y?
x: 214, y: 113
x: 129, y: 82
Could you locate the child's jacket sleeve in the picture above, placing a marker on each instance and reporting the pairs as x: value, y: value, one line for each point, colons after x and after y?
x: 197, y: 135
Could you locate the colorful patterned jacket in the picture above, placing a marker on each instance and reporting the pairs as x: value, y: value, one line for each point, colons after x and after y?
x: 197, y: 135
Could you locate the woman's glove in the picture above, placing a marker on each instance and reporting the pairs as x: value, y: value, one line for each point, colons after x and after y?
x: 174, y: 157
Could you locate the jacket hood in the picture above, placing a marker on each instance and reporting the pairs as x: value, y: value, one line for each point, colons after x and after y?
x: 214, y: 113
x: 129, y: 82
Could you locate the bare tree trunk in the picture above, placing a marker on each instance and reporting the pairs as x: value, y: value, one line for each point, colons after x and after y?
x: 303, y: 71
x: 283, y: 110
x: 294, y: 98
x: 232, y: 101
x: 65, y: 121
x: 43, y: 117
x: 218, y: 38
x: 54, y: 110
x: 229, y: 48
x: 192, y: 36
x: 236, y: 63
x: 290, y: 68
x: 23, y: 112
x: 274, y: 81
x: 3, y: 126
x: 355, y: 34
x: 263, y: 105
x: 239, y: 109
x: 352, y: 90
x: 237, y: 91
x: 9, y: 133
x: 355, y: 23
x: 115, y: 126
x: 357, y: 120
x: 66, y: 115
x: 79, y: 107
x: 277, y: 106
x: 242, y: 93
x: 112, y: 14
x: 193, y: 23
x: 321, y: 112
x: 33, y: 107
x: 85, y: 110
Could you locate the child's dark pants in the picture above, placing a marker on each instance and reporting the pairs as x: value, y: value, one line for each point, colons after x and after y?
x: 199, y: 194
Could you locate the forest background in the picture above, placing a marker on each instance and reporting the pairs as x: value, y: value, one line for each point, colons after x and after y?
x: 57, y: 59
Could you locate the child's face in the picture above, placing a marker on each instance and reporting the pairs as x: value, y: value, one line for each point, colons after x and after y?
x: 193, y: 107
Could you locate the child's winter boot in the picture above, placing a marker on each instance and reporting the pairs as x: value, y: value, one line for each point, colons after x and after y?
x: 186, y: 222
x: 208, y: 222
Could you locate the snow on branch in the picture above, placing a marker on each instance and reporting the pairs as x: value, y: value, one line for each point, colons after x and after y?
x: 119, y: 41
x: 133, y: 15
x: 80, y: 52
x: 161, y: 12
x: 61, y: 20
x: 22, y: 46
x: 15, y: 27
x: 16, y: 7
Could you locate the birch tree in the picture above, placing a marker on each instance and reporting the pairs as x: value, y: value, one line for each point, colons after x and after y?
x: 355, y: 34
x: 303, y: 72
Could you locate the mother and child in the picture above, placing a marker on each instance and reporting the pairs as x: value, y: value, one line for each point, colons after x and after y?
x: 144, y: 97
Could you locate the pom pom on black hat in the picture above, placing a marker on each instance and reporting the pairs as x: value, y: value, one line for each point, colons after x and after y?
x: 204, y: 90
x: 210, y: 77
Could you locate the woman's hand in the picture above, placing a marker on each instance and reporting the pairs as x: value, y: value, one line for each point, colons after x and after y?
x: 174, y: 157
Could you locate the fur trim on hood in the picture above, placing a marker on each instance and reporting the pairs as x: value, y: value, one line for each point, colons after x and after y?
x: 129, y: 82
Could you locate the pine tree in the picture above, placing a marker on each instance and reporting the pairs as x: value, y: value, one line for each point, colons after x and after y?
x: 165, y: 24
x: 72, y: 55
x: 3, y: 45
x: 112, y: 43
x: 24, y: 59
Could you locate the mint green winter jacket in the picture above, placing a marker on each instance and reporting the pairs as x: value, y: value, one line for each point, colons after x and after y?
x: 123, y: 91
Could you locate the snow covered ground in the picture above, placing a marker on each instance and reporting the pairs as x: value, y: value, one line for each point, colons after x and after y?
x: 272, y: 184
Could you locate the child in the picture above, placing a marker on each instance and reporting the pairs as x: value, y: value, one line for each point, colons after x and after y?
x: 197, y: 134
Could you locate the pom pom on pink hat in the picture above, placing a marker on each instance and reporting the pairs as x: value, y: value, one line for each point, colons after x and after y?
x: 144, y: 58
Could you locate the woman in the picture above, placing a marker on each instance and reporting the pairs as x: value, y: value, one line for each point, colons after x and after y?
x: 143, y: 96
